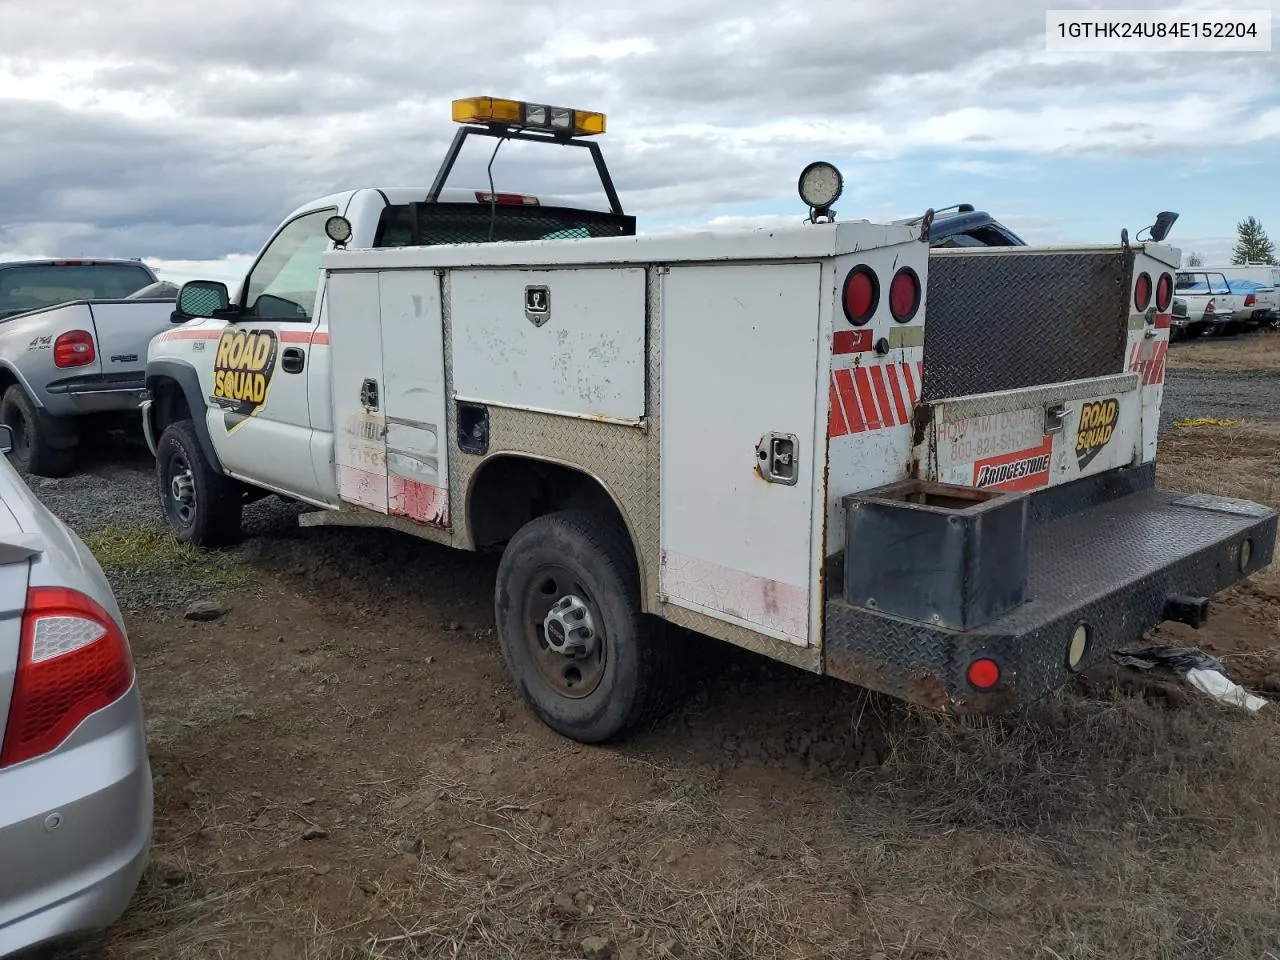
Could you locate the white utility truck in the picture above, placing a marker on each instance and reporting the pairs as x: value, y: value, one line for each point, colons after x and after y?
x: 826, y: 443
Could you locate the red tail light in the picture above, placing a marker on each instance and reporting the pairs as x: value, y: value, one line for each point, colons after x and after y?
x: 1142, y: 292
x: 1250, y: 300
x: 984, y: 674
x: 904, y: 295
x: 73, y: 661
x: 1211, y: 306
x: 514, y: 199
x: 861, y: 294
x: 1164, y: 292
x: 74, y: 349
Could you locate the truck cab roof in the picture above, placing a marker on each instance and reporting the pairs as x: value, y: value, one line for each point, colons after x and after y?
x: 396, y: 196
x: 964, y: 226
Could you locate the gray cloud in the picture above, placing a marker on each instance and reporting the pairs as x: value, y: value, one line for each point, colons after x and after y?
x: 187, y: 134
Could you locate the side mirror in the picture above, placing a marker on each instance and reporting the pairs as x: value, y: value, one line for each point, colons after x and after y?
x: 1164, y: 223
x: 6, y: 438
x: 201, y: 299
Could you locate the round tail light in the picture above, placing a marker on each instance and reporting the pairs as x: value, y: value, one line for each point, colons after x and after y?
x: 984, y: 674
x: 1142, y: 292
x: 904, y: 295
x: 861, y: 294
x: 1164, y: 292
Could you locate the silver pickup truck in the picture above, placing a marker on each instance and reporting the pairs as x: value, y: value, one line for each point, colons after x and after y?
x: 73, y: 352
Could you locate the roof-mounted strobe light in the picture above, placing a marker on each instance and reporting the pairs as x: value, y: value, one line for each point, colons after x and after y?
x: 820, y: 186
x: 516, y: 114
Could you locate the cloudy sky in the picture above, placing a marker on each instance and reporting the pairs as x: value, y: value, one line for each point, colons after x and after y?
x: 181, y: 133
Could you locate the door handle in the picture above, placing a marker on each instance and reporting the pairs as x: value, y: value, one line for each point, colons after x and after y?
x: 293, y: 360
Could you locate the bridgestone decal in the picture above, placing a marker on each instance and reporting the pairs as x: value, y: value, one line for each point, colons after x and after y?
x: 990, y: 476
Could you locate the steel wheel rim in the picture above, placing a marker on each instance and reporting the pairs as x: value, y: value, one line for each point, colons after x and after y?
x: 572, y: 677
x: 181, y: 487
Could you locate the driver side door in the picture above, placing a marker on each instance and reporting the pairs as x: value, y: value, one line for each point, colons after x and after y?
x: 258, y: 412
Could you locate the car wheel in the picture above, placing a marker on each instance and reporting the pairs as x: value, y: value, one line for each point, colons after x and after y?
x: 32, y: 431
x: 567, y: 602
x: 202, y: 505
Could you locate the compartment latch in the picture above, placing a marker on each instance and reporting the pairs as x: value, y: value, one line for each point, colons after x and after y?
x: 777, y: 460
x: 1054, y: 415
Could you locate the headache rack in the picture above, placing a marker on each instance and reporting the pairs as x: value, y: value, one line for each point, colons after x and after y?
x: 428, y: 223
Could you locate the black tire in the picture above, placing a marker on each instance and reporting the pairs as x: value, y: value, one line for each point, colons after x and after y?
x: 631, y: 679
x: 201, y: 504
x: 33, y: 431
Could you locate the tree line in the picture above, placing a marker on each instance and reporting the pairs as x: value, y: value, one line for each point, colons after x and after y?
x: 1252, y: 245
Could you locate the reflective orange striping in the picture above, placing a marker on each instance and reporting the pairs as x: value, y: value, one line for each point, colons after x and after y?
x: 836, y: 424
x: 886, y: 411
x: 191, y: 335
x: 848, y: 397
x: 869, y: 412
x: 891, y: 372
x: 911, y: 386
x: 320, y: 340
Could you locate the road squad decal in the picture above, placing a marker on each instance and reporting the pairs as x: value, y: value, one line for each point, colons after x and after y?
x: 1096, y: 427
x: 1023, y: 470
x: 242, y: 370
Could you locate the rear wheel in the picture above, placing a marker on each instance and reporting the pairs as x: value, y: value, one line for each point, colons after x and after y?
x: 202, y: 504
x: 33, y: 433
x: 586, y: 660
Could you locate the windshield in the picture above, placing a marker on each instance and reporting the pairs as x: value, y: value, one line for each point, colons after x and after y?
x: 26, y: 287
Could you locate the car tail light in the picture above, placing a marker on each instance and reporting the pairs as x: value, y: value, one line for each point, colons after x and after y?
x: 1142, y: 292
x: 861, y: 294
x: 984, y: 674
x: 1250, y: 300
x: 1211, y: 306
x: 73, y: 661
x: 904, y: 295
x: 1164, y: 292
x: 74, y: 349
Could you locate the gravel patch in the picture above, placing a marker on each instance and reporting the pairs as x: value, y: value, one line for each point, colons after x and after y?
x: 1238, y: 394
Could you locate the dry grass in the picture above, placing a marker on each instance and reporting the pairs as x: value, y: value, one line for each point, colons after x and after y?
x: 1258, y: 350
x: 1084, y: 829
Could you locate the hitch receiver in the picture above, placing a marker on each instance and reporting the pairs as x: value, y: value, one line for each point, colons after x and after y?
x: 1193, y: 611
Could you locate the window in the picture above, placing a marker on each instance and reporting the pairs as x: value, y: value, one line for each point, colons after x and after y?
x: 283, y: 283
x: 32, y: 286
x: 1218, y: 284
x: 960, y: 240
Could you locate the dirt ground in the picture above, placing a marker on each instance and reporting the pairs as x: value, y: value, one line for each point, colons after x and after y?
x: 344, y: 771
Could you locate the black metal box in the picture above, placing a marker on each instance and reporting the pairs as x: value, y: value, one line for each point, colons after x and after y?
x: 942, y: 554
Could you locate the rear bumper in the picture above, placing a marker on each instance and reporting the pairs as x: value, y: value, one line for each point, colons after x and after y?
x: 75, y: 831
x: 1108, y: 552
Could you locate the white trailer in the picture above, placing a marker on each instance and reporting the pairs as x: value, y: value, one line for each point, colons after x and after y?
x: 829, y: 443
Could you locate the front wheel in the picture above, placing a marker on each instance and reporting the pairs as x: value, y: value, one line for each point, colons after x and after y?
x: 202, y: 504
x: 567, y: 602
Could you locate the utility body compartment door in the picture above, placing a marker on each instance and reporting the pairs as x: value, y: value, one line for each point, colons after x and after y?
x: 359, y: 420
x: 740, y: 345
x: 1025, y: 440
x: 390, y: 448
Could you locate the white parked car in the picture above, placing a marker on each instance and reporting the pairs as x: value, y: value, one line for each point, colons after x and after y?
x: 1206, y: 301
